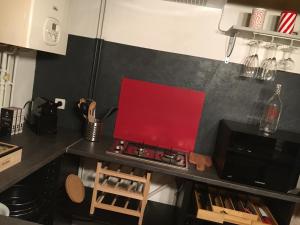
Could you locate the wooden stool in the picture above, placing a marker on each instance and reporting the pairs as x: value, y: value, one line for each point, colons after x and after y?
x: 117, y: 191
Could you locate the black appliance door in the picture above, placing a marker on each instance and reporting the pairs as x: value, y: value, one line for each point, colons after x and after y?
x: 241, y: 169
x: 259, y: 173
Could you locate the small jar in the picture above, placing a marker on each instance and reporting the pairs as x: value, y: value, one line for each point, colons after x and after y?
x: 257, y: 18
x: 287, y: 21
x: 93, y: 130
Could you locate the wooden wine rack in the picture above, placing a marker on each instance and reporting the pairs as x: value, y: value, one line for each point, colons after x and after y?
x: 129, y: 199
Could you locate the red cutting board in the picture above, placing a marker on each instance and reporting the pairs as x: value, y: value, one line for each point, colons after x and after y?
x: 159, y: 115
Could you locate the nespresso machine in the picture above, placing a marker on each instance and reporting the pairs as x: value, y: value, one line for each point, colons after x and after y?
x: 42, y: 117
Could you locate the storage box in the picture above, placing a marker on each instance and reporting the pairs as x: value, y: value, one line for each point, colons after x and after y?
x: 211, y: 209
x: 10, y: 155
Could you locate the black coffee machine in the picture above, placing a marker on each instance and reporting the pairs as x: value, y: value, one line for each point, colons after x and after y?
x: 42, y: 117
x: 244, y: 154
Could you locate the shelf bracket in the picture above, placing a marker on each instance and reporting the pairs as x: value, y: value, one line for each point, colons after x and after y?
x: 230, y: 47
x: 292, y: 43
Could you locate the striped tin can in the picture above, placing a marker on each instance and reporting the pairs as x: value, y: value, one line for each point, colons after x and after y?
x: 257, y: 18
x: 287, y: 21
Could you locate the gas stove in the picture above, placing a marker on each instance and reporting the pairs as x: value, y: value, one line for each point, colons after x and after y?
x: 151, y: 154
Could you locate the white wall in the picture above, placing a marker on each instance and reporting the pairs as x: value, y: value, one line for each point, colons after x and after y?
x: 179, y: 28
x: 156, y: 24
x: 166, y: 26
x: 25, y: 69
x: 83, y: 19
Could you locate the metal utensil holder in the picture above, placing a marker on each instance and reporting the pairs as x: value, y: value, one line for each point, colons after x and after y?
x: 93, y: 130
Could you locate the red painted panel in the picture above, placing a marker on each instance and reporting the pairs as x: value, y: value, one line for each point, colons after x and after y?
x: 159, y: 115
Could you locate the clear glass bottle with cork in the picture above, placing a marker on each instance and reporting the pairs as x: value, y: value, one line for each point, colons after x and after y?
x: 271, y: 115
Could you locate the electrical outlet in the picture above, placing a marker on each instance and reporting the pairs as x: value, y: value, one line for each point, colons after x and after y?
x: 63, y: 103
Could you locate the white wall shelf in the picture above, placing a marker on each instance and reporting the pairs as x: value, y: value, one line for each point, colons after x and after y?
x: 260, y: 35
x: 264, y: 35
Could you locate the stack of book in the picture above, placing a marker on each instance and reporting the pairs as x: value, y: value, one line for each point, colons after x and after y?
x: 11, y: 120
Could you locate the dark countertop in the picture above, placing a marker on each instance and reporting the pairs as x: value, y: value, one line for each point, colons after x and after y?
x: 97, y: 151
x: 11, y: 221
x: 37, y: 152
x: 40, y: 150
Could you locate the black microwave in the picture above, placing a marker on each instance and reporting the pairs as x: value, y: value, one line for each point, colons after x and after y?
x: 245, y: 155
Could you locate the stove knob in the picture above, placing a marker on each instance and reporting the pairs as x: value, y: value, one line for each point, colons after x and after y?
x: 118, y: 148
x: 140, y: 151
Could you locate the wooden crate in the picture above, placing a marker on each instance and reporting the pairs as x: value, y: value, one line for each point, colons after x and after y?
x: 111, y: 194
x: 230, y: 211
x: 219, y: 213
x: 10, y: 155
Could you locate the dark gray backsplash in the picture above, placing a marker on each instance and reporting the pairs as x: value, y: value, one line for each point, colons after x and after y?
x: 66, y: 77
x: 227, y: 96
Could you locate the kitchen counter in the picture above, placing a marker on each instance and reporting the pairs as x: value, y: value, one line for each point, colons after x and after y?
x: 40, y: 150
x: 209, y: 176
x: 37, y: 152
x: 11, y: 221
